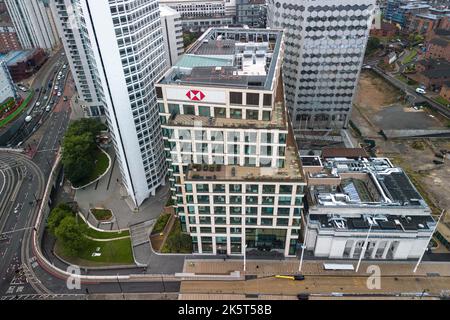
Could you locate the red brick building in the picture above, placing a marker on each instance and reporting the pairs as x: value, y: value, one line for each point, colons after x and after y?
x: 23, y: 64
x: 386, y: 30
x: 432, y: 73
x: 438, y: 48
x: 9, y: 40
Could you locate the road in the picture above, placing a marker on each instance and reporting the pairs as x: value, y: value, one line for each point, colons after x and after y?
x: 417, y: 98
x: 43, y: 84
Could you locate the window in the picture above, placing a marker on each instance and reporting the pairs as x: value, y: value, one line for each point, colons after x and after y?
x: 253, y: 99
x: 251, y: 221
x: 235, y: 220
x: 174, y: 108
x: 235, y: 188
x: 266, y: 221
x: 251, y: 188
x: 219, y: 188
x: 204, y: 111
x: 283, y: 211
x: 251, y: 211
x: 189, y: 109
x: 267, y: 100
x: 252, y: 114
x: 285, y: 189
x: 284, y: 200
x: 220, y: 112
x: 159, y: 93
x: 236, y: 199
x: 266, y: 115
x: 235, y: 97
x: 268, y: 188
x: 236, y: 113
x: 282, y: 222
x: 267, y: 211
x: 220, y: 220
x: 219, y: 199
x: 251, y: 200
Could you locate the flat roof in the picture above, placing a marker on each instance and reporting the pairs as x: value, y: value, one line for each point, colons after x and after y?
x: 229, y: 57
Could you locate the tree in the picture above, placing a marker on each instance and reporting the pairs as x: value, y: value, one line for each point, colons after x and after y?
x: 84, y: 125
x: 78, y: 156
x: 56, y: 216
x: 70, y: 233
x: 372, y: 44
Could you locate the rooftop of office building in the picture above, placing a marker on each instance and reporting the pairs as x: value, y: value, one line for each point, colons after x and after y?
x: 362, y: 182
x: 229, y: 57
x: 380, y: 223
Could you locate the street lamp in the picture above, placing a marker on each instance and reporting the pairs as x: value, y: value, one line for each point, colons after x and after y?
x: 245, y: 257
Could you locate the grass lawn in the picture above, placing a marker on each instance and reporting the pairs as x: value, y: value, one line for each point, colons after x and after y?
x: 410, y: 56
x: 406, y: 80
x: 102, y: 163
x: 103, y: 235
x: 112, y: 253
x: 18, y: 111
x: 160, y: 223
x: 442, y: 101
x: 102, y: 214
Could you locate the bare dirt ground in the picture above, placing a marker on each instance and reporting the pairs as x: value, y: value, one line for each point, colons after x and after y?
x: 378, y: 105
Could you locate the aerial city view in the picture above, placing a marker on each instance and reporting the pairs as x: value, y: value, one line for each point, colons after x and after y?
x: 241, y: 150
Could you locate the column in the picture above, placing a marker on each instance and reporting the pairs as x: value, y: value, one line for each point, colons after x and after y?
x: 385, y: 252
x: 352, y: 251
x: 375, y: 249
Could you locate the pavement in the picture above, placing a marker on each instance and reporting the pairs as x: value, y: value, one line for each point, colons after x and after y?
x: 109, y: 193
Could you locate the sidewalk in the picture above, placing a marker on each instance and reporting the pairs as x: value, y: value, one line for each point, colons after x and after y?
x: 109, y: 193
x: 263, y: 268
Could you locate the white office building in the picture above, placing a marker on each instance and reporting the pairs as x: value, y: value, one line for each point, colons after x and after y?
x: 200, y: 15
x: 172, y: 34
x: 351, y: 200
x: 234, y: 169
x: 128, y: 49
x: 325, y: 45
x: 71, y: 26
x: 7, y: 88
x: 34, y: 23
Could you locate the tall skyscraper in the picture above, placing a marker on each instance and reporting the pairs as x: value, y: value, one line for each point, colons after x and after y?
x: 122, y: 41
x: 71, y: 26
x: 33, y: 22
x: 325, y: 45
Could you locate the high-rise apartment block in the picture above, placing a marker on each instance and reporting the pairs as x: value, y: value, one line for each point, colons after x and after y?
x: 325, y: 45
x: 116, y: 51
x: 34, y: 23
x: 172, y: 34
x: 234, y: 168
x: 71, y: 26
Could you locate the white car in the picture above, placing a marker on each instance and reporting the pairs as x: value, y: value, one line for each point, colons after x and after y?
x: 56, y: 87
x: 46, y: 97
x: 64, y: 66
x: 420, y: 91
x: 48, y: 108
x: 28, y: 119
x: 38, y: 104
x: 59, y: 94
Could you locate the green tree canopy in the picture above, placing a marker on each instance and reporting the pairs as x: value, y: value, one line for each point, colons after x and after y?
x: 78, y: 156
x: 71, y: 234
x: 372, y: 44
x: 84, y: 125
x: 56, y: 216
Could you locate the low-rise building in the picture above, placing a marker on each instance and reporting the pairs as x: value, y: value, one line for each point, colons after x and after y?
x: 351, y: 200
x: 386, y: 30
x: 23, y: 64
x: 235, y: 174
x: 252, y: 13
x: 432, y: 73
x: 8, y: 39
x: 438, y: 48
x: 7, y: 87
x: 200, y: 15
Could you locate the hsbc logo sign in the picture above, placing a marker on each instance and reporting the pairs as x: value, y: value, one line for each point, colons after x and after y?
x: 195, y: 95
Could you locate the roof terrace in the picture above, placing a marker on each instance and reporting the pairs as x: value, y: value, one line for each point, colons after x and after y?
x: 235, y: 57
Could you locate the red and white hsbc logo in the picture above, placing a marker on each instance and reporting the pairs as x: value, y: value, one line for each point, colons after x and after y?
x: 195, y: 95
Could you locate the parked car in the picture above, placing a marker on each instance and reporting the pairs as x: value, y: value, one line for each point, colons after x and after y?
x: 420, y: 91
x: 48, y: 108
x: 28, y: 119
